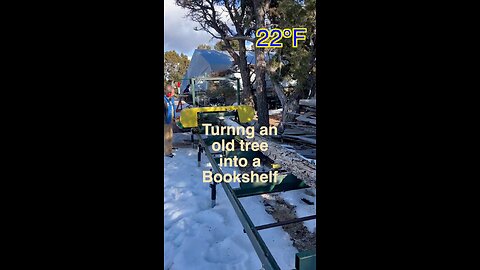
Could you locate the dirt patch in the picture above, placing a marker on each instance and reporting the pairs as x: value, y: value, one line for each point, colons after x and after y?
x: 302, y: 238
x: 275, y: 119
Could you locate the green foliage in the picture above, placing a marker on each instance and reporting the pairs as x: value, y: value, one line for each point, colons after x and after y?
x: 204, y: 47
x: 289, y: 63
x: 220, y: 46
x: 175, y: 66
x: 296, y: 63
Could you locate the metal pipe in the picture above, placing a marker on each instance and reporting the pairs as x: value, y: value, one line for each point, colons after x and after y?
x: 193, y: 92
x: 199, y: 157
x: 286, y: 222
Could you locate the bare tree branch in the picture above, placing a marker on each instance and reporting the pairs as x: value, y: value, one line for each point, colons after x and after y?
x: 208, y: 14
x: 240, y: 38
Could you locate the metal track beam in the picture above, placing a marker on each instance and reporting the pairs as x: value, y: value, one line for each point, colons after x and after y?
x: 268, y: 262
x: 286, y: 222
x: 306, y: 260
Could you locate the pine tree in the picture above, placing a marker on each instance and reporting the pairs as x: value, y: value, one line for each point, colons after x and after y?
x: 175, y: 66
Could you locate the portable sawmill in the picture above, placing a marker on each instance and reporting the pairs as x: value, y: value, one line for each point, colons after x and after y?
x: 217, y: 110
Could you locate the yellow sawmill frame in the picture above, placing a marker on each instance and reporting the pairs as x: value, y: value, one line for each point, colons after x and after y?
x: 189, y: 116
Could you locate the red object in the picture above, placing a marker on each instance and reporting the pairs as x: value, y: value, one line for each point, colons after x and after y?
x: 178, y: 84
x: 169, y: 94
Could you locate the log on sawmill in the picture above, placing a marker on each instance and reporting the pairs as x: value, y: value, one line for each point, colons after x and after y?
x: 290, y: 161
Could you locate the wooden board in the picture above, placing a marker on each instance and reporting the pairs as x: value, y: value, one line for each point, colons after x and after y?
x: 307, y: 118
x: 306, y: 139
x: 308, y: 153
x: 291, y: 131
x: 308, y: 102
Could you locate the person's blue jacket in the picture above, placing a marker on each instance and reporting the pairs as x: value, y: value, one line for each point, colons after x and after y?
x: 168, y: 109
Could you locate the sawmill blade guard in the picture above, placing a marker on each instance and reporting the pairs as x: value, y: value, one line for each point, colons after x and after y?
x: 189, y: 117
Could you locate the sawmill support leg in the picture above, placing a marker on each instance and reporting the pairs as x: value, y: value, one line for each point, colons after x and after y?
x: 199, y: 155
x: 213, y: 186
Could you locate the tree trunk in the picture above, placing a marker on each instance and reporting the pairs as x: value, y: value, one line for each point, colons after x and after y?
x: 241, y: 60
x: 245, y: 74
x: 260, y: 67
x: 261, y: 89
x: 291, y: 106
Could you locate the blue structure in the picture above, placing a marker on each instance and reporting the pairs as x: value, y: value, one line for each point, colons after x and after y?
x: 206, y: 62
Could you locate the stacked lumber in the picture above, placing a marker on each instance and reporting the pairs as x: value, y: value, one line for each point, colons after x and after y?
x: 304, y: 128
x: 308, y: 102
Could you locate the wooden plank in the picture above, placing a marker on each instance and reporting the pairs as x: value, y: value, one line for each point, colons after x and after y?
x: 308, y: 119
x: 308, y: 102
x: 291, y: 131
x: 308, y: 153
x: 302, y: 138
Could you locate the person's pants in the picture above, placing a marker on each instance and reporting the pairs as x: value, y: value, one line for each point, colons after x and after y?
x: 167, y: 138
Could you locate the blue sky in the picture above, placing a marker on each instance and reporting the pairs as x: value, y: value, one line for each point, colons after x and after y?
x: 178, y: 31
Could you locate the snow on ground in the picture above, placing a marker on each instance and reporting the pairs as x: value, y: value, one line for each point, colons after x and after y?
x: 200, y: 237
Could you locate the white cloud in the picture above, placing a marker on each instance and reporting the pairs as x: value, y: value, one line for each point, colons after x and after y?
x: 178, y: 31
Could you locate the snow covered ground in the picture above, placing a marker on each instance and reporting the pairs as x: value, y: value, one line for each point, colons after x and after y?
x: 294, y: 197
x: 200, y: 237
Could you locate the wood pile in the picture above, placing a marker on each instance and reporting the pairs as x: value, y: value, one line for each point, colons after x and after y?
x: 303, y: 130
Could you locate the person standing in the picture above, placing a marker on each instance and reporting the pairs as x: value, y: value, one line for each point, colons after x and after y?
x: 169, y: 114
